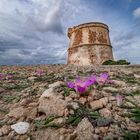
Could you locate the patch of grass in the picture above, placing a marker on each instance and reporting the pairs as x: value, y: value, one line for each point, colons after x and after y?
x: 33, y: 92
x: 70, y: 77
x: 73, y: 120
x: 39, y: 124
x: 94, y: 115
x: 131, y: 135
x: 107, y: 139
x: 41, y: 78
x: 19, y: 78
x: 125, y: 107
x: 81, y: 113
x: 131, y: 79
x: 119, y: 62
x: 134, y: 115
x: 53, y: 125
x: 50, y: 78
x: 67, y: 91
x: 132, y: 102
x: 8, y: 98
x: 137, y: 92
x: 2, y: 110
x: 2, y: 123
x: 17, y: 87
x: 20, y: 87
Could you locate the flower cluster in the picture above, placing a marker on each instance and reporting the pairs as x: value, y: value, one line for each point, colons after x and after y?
x: 4, y: 76
x: 81, y: 85
x: 40, y: 72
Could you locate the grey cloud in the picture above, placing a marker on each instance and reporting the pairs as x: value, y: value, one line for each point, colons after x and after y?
x: 136, y: 13
x: 8, y: 44
x: 34, y: 33
x: 24, y: 37
x: 126, y: 36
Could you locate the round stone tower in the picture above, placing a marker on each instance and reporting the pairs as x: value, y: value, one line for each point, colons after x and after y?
x: 89, y: 44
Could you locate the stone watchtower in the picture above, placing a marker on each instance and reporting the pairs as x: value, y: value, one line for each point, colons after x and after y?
x: 89, y: 44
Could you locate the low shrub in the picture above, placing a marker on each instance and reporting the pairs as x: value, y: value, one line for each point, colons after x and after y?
x: 119, y: 62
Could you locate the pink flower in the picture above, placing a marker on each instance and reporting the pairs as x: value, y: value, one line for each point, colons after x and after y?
x: 9, y: 76
x: 2, y: 76
x: 110, y: 82
x: 5, y: 76
x: 119, y: 99
x: 40, y: 72
x: 81, y: 85
x: 71, y: 85
x: 102, y: 79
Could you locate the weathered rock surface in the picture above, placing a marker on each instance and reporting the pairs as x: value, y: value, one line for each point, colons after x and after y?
x: 4, y: 130
x: 56, y: 84
x: 32, y: 78
x: 104, y: 101
x: 22, y: 112
x: 85, y: 130
x: 18, y: 112
x: 105, y: 113
x: 137, y: 76
x: 110, y: 89
x: 53, y: 134
x: 119, y: 83
x: 96, y: 104
x: 51, y: 104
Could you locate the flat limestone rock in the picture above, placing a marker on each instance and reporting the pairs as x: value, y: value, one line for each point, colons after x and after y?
x: 20, y: 127
x: 105, y: 113
x: 119, y: 83
x: 110, y: 89
x: 56, y: 84
x: 85, y: 130
x: 51, y: 104
x: 17, y: 112
x: 96, y: 104
x: 55, y: 134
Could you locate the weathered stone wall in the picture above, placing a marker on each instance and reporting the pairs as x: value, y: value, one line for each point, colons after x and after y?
x: 89, y: 44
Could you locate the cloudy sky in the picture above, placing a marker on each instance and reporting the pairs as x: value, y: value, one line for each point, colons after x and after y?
x: 35, y: 31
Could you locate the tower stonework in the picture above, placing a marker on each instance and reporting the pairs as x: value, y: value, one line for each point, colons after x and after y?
x: 89, y: 44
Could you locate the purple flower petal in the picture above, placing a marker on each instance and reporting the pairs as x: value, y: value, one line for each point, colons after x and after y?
x: 2, y: 76
x: 103, y: 78
x: 119, y: 97
x: 87, y: 83
x: 93, y: 79
x: 104, y: 75
x: 110, y: 82
x: 81, y: 85
x: 81, y: 89
x: 40, y: 72
x: 71, y: 85
x: 78, y: 81
x: 9, y: 76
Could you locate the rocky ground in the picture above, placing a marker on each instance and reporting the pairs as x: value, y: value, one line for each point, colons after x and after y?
x: 36, y: 104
